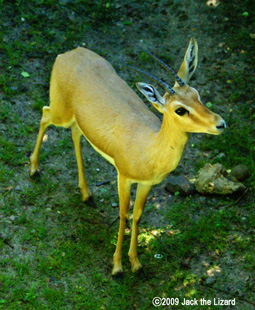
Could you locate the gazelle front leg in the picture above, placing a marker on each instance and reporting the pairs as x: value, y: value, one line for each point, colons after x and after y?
x: 124, y: 188
x: 76, y: 136
x: 141, y: 195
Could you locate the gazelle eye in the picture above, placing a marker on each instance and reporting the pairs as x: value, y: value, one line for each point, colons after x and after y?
x: 181, y: 111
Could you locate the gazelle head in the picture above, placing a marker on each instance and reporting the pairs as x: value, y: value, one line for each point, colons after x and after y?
x: 181, y: 104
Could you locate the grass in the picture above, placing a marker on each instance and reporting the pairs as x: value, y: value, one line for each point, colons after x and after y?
x: 238, y: 142
x: 56, y: 252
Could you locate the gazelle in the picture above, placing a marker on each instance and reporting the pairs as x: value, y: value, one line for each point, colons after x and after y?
x: 88, y: 95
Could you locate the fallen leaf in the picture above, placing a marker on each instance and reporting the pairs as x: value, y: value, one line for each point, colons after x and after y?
x: 25, y: 74
x: 8, y: 188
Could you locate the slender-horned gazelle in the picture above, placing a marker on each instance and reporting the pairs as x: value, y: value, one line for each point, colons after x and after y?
x: 88, y: 95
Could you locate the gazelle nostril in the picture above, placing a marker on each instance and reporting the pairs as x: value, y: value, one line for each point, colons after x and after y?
x: 222, y: 125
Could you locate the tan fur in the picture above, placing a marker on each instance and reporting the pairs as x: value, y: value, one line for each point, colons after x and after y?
x: 88, y: 95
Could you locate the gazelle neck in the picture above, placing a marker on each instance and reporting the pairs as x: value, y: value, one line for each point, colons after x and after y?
x: 169, y: 145
x: 172, y: 136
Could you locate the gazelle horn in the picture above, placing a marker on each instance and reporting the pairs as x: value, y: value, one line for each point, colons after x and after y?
x: 153, y: 78
x: 165, y: 66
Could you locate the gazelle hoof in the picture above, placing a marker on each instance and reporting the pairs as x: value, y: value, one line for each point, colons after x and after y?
x: 117, y: 271
x: 90, y: 202
x: 138, y: 269
x: 118, y: 275
x: 35, y: 175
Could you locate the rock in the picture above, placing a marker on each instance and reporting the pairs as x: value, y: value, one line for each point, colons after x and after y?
x: 240, y: 172
x: 12, y: 218
x: 210, y: 280
x: 219, y: 156
x: 180, y: 184
x: 213, y: 179
x: 19, y: 188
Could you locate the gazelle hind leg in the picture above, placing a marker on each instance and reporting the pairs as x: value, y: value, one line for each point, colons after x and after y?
x: 45, y: 122
x: 141, y: 195
x: 76, y: 136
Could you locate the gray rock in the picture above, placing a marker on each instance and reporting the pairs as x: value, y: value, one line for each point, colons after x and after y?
x: 240, y: 172
x: 180, y: 184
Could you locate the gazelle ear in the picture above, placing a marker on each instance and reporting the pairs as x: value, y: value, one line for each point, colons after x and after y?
x: 189, y: 64
x: 152, y: 95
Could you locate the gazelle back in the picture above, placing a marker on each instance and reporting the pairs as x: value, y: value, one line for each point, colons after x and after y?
x: 88, y: 95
